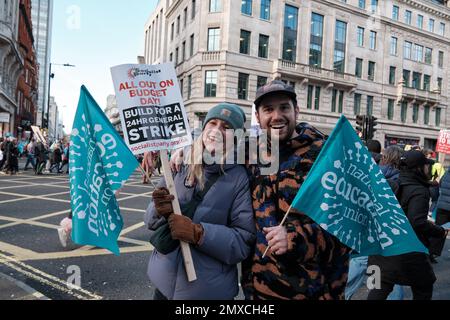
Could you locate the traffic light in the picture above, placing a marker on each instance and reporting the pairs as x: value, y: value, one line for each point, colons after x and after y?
x: 371, y: 127
x: 361, y: 126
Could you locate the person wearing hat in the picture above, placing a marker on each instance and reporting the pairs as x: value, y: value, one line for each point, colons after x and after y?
x: 411, y: 269
x: 217, y: 218
x: 303, y: 261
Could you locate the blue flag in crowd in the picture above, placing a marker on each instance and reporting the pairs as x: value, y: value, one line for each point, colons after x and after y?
x: 100, y: 164
x: 347, y: 195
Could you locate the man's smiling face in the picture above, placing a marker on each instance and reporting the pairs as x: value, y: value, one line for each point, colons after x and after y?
x: 277, y: 114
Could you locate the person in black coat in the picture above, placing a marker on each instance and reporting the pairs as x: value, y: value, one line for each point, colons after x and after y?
x: 443, y: 204
x: 411, y: 269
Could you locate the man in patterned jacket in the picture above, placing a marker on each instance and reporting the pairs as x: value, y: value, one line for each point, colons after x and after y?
x: 304, y: 261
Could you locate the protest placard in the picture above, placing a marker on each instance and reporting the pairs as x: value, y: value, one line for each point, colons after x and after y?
x: 443, y: 143
x: 151, y: 107
x: 154, y: 119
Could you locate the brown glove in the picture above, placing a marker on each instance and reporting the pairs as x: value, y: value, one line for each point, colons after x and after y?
x: 182, y: 228
x: 163, y: 202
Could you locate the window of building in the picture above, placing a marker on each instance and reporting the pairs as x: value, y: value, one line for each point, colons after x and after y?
x: 357, y: 104
x: 416, y: 80
x: 373, y: 6
x: 415, y: 115
x: 442, y: 29
x: 408, y: 17
x: 362, y: 4
x: 439, y: 83
x: 406, y: 77
x: 373, y: 40
x: 213, y: 39
x: 431, y: 25
x: 265, y: 9
x: 290, y: 33
x: 337, y: 99
x: 426, y: 82
x: 191, y: 45
x: 438, y: 117
x: 317, y: 98
x: 176, y: 56
x: 315, y: 51
x: 426, y: 115
x: 371, y: 71
x: 339, y: 46
x: 178, y: 24
x: 246, y: 7
x: 172, y: 30
x: 404, y: 111
x: 418, y: 53
x: 260, y: 82
x: 360, y: 36
x: 369, y: 106
x: 441, y: 59
x: 171, y: 57
x: 395, y: 11
x: 183, y: 51
x: 189, y: 86
x: 181, y: 87
x: 420, y: 21
x: 244, y: 45
x: 428, y: 55
x: 310, y: 97
x: 243, y: 86
x: 263, y: 46
x: 390, y: 111
x: 211, y: 83
x: 358, y: 67
x: 392, y: 75
x: 394, y: 42
x: 214, y: 5
x: 407, y: 50
x: 185, y: 17
x: 193, y: 10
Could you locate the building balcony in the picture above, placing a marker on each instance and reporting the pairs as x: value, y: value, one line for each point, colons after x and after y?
x: 321, y: 75
x: 417, y: 96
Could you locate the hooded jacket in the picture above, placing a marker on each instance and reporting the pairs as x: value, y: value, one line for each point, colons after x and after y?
x: 316, y: 264
x: 229, y: 233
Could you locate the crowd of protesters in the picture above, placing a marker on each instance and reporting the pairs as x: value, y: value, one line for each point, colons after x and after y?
x: 41, y: 157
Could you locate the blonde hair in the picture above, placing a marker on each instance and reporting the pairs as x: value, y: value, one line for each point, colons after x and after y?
x: 195, y: 172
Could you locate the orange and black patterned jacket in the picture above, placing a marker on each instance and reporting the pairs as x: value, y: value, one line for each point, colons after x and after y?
x: 316, y: 264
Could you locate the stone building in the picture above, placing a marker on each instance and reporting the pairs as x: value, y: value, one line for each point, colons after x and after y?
x: 389, y: 59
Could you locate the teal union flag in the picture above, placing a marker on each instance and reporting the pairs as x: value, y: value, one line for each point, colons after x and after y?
x: 348, y: 196
x: 100, y: 164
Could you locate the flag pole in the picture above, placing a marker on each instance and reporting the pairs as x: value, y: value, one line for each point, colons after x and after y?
x: 281, y: 224
x: 185, y: 249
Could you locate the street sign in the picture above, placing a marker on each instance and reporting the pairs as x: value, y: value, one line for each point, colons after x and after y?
x: 443, y: 143
x: 4, y: 117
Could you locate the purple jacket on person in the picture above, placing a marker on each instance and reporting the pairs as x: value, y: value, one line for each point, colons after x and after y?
x: 226, y: 215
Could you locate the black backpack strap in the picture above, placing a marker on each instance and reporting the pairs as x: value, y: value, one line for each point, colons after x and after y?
x: 197, y: 198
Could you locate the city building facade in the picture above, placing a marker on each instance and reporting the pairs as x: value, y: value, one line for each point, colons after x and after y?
x: 11, y: 64
x: 41, y: 13
x: 112, y: 113
x: 388, y: 59
x: 27, y: 84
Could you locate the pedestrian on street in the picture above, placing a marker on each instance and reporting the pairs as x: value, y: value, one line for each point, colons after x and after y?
x: 390, y: 167
x: 437, y: 172
x: 57, y: 158
x: 30, y: 148
x: 41, y: 154
x: 374, y: 147
x: 411, y: 269
x: 217, y: 218
x: 148, y: 165
x: 65, y: 158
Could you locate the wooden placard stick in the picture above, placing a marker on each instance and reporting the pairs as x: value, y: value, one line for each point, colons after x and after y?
x: 281, y: 224
x: 185, y: 249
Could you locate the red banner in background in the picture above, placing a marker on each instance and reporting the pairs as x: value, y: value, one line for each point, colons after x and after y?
x: 443, y: 143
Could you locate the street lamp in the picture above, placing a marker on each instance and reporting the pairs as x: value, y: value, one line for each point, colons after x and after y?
x: 50, y: 77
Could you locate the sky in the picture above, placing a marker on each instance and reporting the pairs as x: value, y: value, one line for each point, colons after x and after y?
x: 93, y: 36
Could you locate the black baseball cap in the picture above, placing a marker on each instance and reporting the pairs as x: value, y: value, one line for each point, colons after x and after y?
x: 414, y: 159
x: 275, y: 86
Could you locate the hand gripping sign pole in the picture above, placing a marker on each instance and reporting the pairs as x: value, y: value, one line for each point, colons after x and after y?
x: 153, y: 118
x: 185, y: 249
